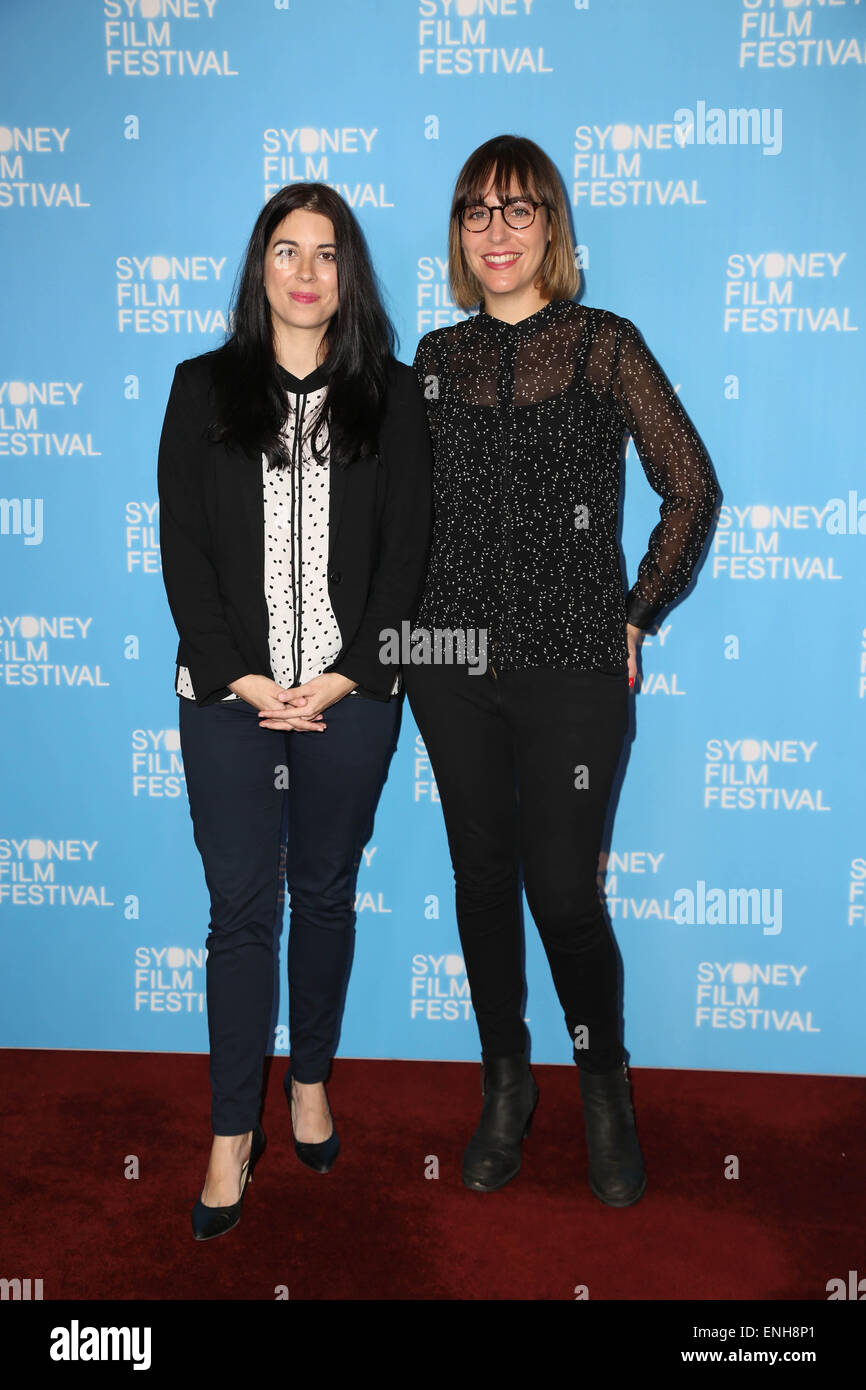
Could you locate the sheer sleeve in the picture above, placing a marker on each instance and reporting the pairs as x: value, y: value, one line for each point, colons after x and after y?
x: 426, y: 368
x: 678, y: 469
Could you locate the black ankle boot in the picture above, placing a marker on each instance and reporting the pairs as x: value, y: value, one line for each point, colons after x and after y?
x: 492, y: 1156
x: 616, y: 1171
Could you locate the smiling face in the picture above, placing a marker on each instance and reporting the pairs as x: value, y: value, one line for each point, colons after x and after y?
x: 301, y: 275
x: 506, y: 260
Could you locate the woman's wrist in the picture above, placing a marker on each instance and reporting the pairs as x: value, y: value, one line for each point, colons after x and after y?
x: 342, y: 683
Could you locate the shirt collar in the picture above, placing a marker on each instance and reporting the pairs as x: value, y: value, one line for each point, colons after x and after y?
x: 524, y: 328
x: 302, y: 386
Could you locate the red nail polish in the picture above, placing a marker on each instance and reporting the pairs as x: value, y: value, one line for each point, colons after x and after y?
x: 630, y: 682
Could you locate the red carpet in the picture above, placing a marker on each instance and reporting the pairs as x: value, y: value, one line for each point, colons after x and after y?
x: 376, y: 1228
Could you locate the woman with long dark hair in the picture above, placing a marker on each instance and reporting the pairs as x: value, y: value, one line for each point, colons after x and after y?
x: 294, y: 496
x: 529, y: 402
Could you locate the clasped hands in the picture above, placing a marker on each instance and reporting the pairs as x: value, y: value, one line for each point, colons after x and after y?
x: 299, y: 708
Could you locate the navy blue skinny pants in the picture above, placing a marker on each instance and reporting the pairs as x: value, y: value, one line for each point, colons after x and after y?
x: 236, y: 794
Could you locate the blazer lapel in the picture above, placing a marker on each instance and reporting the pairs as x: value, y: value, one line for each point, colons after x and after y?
x: 249, y: 482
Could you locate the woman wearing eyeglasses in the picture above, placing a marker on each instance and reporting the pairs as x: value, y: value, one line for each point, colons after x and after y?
x: 528, y: 404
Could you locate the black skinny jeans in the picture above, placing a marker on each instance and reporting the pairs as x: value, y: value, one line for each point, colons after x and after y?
x: 506, y: 753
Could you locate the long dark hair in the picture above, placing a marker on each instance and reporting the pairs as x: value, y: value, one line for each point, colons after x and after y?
x: 359, y: 341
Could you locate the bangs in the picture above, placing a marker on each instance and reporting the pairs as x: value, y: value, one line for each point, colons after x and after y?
x: 511, y: 168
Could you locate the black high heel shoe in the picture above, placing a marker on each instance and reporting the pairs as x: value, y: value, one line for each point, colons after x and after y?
x: 319, y: 1157
x: 492, y: 1156
x: 208, y: 1222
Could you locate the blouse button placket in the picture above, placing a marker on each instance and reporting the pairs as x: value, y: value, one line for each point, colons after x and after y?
x: 505, y: 420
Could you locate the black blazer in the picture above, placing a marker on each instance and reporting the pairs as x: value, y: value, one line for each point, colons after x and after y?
x: 211, y: 512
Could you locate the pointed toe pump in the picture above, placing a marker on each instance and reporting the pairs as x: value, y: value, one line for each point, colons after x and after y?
x: 319, y: 1157
x: 208, y: 1222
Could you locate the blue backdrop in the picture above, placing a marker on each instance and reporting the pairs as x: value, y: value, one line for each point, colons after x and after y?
x: 707, y: 151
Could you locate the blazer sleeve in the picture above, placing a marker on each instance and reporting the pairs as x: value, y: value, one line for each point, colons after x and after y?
x: 677, y: 468
x: 404, y: 536
x: 190, y: 579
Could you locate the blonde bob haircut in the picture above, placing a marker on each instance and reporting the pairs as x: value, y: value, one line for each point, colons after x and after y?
x: 513, y: 159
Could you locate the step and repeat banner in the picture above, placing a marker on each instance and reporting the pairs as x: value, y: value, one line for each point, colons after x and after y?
x: 711, y: 157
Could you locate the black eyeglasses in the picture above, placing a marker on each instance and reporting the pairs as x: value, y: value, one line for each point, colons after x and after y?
x: 516, y: 213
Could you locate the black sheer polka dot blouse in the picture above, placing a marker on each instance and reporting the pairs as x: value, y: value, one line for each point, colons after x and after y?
x: 528, y: 422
